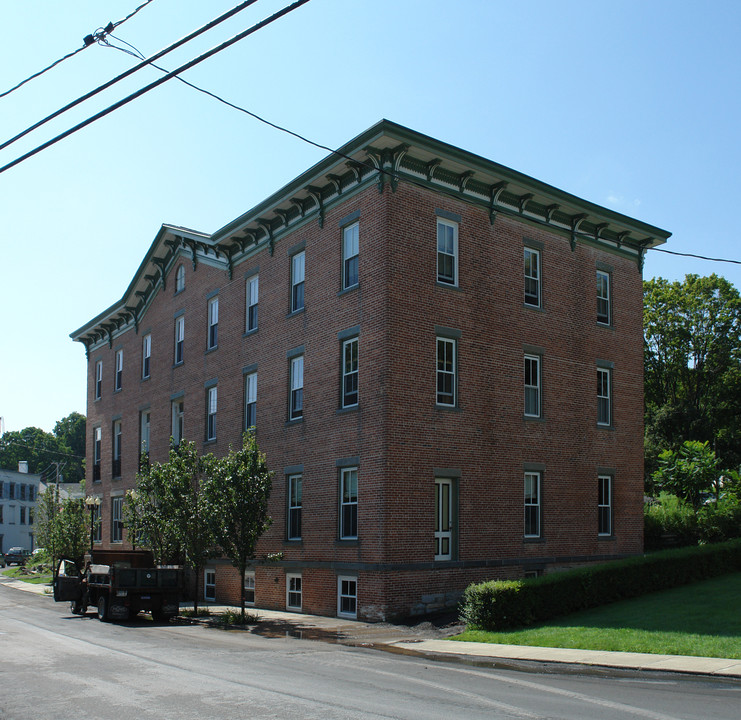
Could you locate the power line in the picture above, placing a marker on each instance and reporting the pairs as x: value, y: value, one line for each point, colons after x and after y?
x: 102, y: 41
x: 699, y: 257
x: 137, y: 53
x: 87, y: 42
x: 38, y: 448
x: 156, y: 83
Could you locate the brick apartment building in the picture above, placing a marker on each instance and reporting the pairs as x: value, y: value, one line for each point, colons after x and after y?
x: 443, y: 360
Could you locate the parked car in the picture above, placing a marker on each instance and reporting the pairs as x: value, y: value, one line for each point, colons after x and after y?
x: 17, y: 555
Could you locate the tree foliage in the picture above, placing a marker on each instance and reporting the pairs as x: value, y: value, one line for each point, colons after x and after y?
x: 692, y: 359
x: 194, y: 506
x: 66, y: 446
x: 62, y: 526
x: 689, y: 472
x: 237, y: 497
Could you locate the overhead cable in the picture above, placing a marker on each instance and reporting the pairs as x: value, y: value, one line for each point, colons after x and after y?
x: 87, y: 42
x: 130, y: 71
x: 156, y: 83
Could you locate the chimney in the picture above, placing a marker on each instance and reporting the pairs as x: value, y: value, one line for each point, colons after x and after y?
x: 23, y: 466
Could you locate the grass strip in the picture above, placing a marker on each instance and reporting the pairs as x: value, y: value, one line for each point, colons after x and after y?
x: 700, y: 619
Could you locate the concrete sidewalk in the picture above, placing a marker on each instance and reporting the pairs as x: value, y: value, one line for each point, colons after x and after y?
x: 426, y: 640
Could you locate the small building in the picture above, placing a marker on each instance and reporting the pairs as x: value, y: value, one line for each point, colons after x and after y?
x: 19, y: 491
x: 442, y: 358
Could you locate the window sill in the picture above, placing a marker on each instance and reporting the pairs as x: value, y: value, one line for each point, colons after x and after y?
x: 533, y: 540
x: 247, y: 333
x: 296, y: 312
x: 211, y: 349
x: 348, y: 290
x: 600, y: 426
x: 346, y: 410
x: 117, y: 390
x: 295, y: 421
x: 144, y: 379
x: 347, y: 543
x: 209, y: 441
x: 605, y: 538
x: 448, y: 408
x: 448, y: 286
x: 606, y: 326
x: 537, y: 308
x: 293, y: 542
x: 178, y: 364
x: 533, y: 418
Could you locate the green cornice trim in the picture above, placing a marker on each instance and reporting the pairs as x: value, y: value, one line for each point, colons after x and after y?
x: 385, y: 153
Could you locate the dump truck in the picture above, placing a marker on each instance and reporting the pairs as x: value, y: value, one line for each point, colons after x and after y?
x: 119, y: 584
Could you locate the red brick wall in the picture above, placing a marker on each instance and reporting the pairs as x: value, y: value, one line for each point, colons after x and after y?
x: 398, y: 433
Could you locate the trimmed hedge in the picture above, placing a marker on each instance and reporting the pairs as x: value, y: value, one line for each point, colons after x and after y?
x: 505, y: 604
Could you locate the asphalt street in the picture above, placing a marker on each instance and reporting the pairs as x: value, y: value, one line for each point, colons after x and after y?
x: 56, y: 665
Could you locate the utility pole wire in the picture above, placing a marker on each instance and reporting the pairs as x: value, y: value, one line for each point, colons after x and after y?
x: 88, y: 41
x: 156, y: 83
x: 131, y: 71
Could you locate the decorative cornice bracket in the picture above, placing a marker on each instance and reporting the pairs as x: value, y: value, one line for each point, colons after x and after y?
x: 576, y: 221
x: 316, y: 195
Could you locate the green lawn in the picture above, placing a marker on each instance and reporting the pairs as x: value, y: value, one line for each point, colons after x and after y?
x: 701, y: 619
x: 20, y: 573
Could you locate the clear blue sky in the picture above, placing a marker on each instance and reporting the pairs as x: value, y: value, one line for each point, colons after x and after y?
x: 632, y: 104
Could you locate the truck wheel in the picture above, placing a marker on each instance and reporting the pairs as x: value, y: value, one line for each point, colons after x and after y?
x: 102, y: 609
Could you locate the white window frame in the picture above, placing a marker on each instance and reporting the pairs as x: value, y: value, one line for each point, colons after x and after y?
x: 97, y: 450
x: 249, y: 587
x: 349, y: 503
x: 604, y: 397
x: 118, y: 374
x: 179, y: 339
x: 252, y: 294
x: 295, y: 506
x: 117, y: 446
x: 444, y: 518
x: 604, y: 505
x: 209, y: 574
x: 178, y: 421
x: 532, y: 503
x: 145, y: 429
x: 350, y: 255
x: 96, y: 520
x: 117, y: 519
x: 213, y: 323
x: 347, y: 596
x: 604, y: 299
x: 98, y: 379
x: 146, y: 355
x: 532, y: 277
x: 532, y: 391
x: 447, y: 249
x: 446, y: 371
x: 179, y: 279
x: 211, y: 408
x: 294, y: 591
x: 296, y: 402
x: 350, y: 375
x: 250, y: 400
x: 298, y: 277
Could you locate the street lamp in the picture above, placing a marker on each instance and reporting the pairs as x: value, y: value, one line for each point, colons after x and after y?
x: 92, y: 502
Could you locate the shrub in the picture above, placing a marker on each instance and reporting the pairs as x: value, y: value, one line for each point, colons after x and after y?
x: 504, y: 604
x: 719, y: 521
x: 669, y: 520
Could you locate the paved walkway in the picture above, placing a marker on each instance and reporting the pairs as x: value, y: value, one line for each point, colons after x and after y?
x: 425, y: 639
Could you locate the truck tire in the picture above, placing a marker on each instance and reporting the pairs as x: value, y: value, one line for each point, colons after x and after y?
x: 102, y: 608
